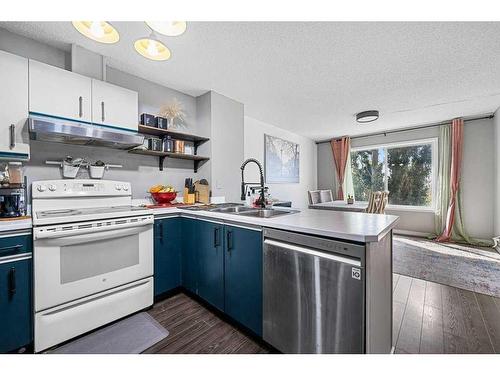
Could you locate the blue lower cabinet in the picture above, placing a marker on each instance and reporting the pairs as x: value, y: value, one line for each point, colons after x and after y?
x: 190, y: 239
x: 243, y: 276
x: 167, y: 254
x: 211, y: 263
x: 15, y: 304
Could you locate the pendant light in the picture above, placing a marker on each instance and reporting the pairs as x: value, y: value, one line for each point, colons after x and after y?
x: 168, y: 28
x: 151, y: 48
x: 99, y: 31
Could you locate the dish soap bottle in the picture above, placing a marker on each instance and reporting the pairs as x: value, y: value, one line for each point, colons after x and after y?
x: 248, y: 200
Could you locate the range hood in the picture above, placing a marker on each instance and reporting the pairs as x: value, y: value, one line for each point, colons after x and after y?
x: 45, y: 128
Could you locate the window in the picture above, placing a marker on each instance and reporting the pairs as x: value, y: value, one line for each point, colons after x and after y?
x: 406, y: 170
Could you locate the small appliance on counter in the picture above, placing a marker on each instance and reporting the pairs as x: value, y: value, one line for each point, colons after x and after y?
x: 12, y: 201
x: 12, y: 191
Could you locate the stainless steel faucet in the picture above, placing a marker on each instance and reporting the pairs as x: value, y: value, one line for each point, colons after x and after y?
x: 243, y: 183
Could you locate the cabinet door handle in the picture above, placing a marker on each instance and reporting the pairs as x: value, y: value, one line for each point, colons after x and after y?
x: 80, y: 106
x: 159, y: 226
x: 12, y: 281
x: 12, y: 248
x: 229, y: 240
x: 102, y: 111
x: 12, y: 129
x: 216, y: 237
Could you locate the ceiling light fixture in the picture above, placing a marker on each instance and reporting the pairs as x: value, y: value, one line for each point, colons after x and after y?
x: 168, y: 28
x: 367, y: 116
x: 100, y: 31
x: 151, y: 48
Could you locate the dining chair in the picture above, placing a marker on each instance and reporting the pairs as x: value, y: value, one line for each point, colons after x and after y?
x: 373, y: 200
x: 377, y: 202
x: 314, y: 196
x: 384, y: 199
x: 325, y: 196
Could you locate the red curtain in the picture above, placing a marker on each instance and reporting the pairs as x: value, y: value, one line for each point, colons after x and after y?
x: 340, y: 148
x: 457, y: 137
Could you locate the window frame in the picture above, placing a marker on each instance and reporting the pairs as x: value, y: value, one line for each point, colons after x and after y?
x: 434, y: 170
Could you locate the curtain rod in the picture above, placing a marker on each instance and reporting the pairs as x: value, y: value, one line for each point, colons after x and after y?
x: 466, y: 119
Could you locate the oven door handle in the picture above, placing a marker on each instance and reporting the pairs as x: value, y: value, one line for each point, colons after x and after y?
x: 93, y: 237
x: 92, y: 230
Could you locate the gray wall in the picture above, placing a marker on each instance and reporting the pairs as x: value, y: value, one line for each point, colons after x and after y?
x: 477, y: 182
x: 496, y: 193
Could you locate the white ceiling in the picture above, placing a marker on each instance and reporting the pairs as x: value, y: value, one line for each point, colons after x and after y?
x: 311, y: 78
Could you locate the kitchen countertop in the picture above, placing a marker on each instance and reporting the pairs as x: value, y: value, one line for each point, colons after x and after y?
x: 11, y: 225
x: 353, y: 226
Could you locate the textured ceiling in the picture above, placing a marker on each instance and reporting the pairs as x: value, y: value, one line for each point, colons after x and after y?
x: 311, y: 78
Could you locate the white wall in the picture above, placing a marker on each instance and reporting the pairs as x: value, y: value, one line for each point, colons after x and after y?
x: 496, y: 192
x: 477, y: 182
x: 254, y: 148
x: 227, y: 146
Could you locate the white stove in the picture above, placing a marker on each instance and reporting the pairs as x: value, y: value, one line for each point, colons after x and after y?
x: 93, y: 257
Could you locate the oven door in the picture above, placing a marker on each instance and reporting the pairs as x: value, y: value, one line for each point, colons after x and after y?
x: 76, y: 260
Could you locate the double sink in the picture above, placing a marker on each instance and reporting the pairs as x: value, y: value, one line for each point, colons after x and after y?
x: 252, y: 212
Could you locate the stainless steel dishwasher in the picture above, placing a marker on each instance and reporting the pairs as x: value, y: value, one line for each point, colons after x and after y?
x: 313, y: 294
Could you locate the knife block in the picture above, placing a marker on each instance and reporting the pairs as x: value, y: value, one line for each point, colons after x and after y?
x: 188, y: 198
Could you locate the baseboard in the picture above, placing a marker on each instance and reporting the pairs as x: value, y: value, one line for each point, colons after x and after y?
x: 411, y: 233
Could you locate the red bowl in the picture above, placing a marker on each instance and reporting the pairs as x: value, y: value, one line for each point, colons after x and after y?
x: 162, y: 198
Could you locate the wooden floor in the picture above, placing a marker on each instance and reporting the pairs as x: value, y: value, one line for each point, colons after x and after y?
x: 194, y: 330
x: 435, y: 318
x: 428, y: 318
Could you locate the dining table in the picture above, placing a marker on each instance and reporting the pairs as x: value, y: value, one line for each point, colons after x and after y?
x: 340, y: 205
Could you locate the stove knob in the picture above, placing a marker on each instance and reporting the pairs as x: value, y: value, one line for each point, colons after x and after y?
x: 41, y: 188
x: 125, y: 187
x: 118, y: 187
x: 52, y: 187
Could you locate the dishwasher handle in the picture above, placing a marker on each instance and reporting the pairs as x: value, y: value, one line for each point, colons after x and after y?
x: 309, y: 251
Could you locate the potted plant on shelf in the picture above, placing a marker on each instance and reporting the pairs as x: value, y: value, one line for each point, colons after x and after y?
x: 173, y: 111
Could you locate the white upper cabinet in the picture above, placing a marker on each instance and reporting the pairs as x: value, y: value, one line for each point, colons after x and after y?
x: 14, y: 137
x: 114, y: 106
x: 58, y: 92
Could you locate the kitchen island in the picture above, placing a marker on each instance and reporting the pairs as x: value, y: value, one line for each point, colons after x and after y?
x: 221, y: 258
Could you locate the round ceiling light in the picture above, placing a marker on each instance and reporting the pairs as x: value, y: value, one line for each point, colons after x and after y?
x: 100, y: 31
x: 367, y: 116
x: 152, y: 49
x: 168, y: 28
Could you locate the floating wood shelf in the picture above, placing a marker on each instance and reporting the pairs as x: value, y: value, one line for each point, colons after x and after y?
x: 196, y: 139
x: 198, y: 160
